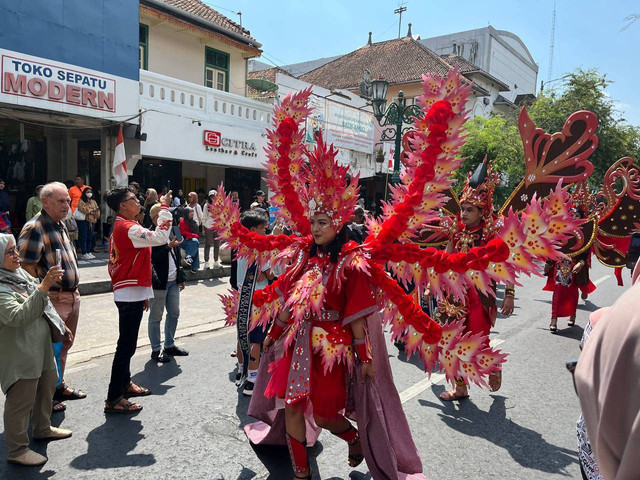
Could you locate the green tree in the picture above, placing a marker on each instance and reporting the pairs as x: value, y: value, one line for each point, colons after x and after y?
x: 496, y: 137
x: 499, y: 139
x: 586, y: 90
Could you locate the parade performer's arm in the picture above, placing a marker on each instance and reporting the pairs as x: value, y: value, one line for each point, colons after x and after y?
x: 360, y: 343
x: 507, y: 302
x: 277, y: 329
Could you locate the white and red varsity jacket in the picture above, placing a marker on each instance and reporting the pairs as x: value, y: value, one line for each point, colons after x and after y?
x: 130, y: 250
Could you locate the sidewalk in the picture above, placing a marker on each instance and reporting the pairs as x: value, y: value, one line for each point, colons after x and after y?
x: 94, y: 277
x: 97, y: 334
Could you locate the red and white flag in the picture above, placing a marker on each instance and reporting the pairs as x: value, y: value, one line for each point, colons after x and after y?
x: 120, y: 162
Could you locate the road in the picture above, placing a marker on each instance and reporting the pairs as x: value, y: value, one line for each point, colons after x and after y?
x: 191, y: 428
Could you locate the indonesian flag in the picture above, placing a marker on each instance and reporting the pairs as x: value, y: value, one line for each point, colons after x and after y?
x: 391, y: 157
x: 120, y: 162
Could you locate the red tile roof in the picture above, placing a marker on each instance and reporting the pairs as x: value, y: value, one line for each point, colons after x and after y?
x: 398, y: 61
x: 201, y: 9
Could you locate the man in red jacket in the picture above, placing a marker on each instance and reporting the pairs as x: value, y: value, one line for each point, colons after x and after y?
x: 130, y: 271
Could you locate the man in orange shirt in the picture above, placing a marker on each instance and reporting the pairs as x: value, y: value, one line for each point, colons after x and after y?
x: 75, y: 192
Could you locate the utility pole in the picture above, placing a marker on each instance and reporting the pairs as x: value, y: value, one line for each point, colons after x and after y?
x: 401, y: 8
x: 553, y: 37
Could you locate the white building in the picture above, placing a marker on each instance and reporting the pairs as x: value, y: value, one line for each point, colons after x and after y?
x: 499, y: 52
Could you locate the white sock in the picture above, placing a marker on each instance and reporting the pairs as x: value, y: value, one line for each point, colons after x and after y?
x: 253, y: 374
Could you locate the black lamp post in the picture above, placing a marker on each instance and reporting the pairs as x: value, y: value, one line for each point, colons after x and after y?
x: 392, y: 119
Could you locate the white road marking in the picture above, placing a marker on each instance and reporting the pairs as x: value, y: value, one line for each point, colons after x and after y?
x: 601, y: 279
x: 422, y: 385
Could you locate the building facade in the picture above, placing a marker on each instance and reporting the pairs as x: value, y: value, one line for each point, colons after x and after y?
x: 69, y: 77
x: 200, y: 127
x: 499, y: 52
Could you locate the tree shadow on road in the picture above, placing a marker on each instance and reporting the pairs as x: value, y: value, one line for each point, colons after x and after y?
x: 110, y: 444
x: 526, y: 446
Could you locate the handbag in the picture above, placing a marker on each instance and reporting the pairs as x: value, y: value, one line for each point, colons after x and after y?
x: 78, y: 215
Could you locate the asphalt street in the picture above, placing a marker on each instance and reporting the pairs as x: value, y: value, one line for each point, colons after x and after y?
x: 191, y: 427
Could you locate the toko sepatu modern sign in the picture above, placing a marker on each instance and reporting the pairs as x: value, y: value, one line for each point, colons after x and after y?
x: 47, y: 84
x: 215, y: 142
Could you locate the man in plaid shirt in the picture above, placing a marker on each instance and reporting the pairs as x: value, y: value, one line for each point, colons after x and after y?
x: 40, y: 238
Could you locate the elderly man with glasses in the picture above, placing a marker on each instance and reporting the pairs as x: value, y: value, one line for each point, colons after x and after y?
x: 130, y: 272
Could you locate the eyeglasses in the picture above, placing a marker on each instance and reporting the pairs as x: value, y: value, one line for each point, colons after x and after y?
x: 11, y: 251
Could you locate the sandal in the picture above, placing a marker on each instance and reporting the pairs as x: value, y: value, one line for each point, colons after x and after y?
x: 497, y: 376
x: 58, y: 407
x: 451, y: 395
x: 571, y: 322
x: 553, y: 326
x: 352, y: 460
x: 308, y: 477
x: 64, y: 392
x: 134, y: 390
x: 121, y: 405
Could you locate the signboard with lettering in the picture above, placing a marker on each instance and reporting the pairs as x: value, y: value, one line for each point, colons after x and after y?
x: 215, y: 142
x: 349, y: 127
x: 41, y: 83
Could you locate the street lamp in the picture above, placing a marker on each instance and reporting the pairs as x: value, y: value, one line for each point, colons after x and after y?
x: 395, y: 116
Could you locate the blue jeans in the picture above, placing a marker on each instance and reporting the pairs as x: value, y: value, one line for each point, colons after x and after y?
x: 161, y: 298
x: 192, y: 247
x: 85, y: 236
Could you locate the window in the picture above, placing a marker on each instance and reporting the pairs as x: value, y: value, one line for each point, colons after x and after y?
x: 216, y: 69
x: 144, y: 47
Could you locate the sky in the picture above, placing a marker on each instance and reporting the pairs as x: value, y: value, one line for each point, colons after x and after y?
x: 587, y: 32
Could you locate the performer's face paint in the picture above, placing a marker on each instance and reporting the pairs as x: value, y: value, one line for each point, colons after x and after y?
x: 322, y: 229
x: 470, y: 215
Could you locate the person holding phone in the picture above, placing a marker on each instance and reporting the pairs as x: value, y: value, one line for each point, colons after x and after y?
x: 130, y: 271
x: 167, y: 281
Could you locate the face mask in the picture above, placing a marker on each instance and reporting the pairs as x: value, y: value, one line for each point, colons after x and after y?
x: 89, y: 195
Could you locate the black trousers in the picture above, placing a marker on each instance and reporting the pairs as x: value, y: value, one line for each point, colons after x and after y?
x: 129, y: 317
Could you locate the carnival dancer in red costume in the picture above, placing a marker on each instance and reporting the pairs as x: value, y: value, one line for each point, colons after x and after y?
x: 326, y: 363
x: 476, y: 227
x: 566, y: 278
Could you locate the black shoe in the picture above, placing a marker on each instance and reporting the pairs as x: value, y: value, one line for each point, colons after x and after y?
x: 247, y: 388
x: 176, y: 352
x: 160, y: 357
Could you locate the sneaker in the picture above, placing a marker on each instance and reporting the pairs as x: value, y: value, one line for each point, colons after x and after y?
x: 240, y: 378
x: 188, y: 260
x: 91, y: 256
x: 176, y: 351
x: 160, y: 357
x: 217, y: 264
x: 85, y: 256
x: 247, y: 388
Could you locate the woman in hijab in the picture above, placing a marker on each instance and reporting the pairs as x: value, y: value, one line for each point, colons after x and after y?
x: 28, y: 375
x: 150, y: 201
x: 607, y: 382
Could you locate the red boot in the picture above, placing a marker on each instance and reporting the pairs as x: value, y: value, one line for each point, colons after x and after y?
x: 298, y: 454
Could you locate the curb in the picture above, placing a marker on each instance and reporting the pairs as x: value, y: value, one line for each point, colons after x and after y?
x: 78, y: 359
x: 104, y: 286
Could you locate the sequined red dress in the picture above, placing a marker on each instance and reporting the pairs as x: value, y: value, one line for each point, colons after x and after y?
x: 314, y: 366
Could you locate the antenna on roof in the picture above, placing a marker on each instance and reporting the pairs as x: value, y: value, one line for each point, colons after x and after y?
x: 409, y: 31
x: 551, y: 44
x: 401, y: 8
x: 240, y: 17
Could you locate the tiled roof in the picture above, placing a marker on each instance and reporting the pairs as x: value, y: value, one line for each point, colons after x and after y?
x: 464, y: 66
x: 398, y: 61
x: 201, y: 9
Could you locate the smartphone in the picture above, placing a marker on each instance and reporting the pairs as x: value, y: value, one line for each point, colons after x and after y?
x: 177, y: 233
x: 59, y: 257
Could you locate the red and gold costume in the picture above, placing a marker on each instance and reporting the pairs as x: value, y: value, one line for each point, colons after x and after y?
x: 312, y: 363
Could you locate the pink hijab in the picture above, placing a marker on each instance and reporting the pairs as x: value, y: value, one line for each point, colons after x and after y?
x: 608, y: 383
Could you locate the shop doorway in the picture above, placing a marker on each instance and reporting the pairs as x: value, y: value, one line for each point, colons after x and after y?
x: 89, y: 157
x: 160, y: 174
x: 245, y: 182
x: 23, y: 165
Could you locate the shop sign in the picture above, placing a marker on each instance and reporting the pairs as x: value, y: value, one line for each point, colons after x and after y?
x: 215, y: 142
x: 49, y: 82
x: 350, y: 128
